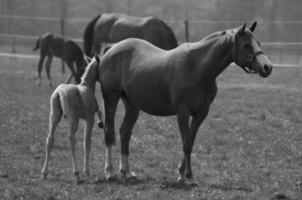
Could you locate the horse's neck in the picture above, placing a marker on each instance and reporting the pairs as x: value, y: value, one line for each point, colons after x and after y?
x: 89, y: 82
x: 212, y: 56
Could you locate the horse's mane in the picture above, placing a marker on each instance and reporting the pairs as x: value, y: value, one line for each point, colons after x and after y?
x: 229, y: 32
x: 85, y: 77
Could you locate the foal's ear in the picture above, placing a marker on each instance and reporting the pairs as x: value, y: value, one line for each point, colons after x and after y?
x: 87, y: 59
x: 253, y: 26
x: 242, y: 29
x: 97, y: 58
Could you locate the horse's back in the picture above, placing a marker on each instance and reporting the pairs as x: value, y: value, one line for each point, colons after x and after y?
x: 114, y: 27
x: 141, y: 71
x: 52, y: 44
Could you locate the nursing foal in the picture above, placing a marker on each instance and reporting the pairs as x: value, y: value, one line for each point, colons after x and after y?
x: 75, y: 102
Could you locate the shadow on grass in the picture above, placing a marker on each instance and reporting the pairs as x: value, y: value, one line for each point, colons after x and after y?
x: 230, y: 187
x: 176, y: 185
x: 120, y: 181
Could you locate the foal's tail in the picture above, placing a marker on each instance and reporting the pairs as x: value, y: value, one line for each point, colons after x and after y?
x: 56, y: 109
x: 88, y: 36
x: 37, y: 44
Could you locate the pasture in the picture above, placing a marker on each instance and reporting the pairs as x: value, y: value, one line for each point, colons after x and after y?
x: 249, y: 147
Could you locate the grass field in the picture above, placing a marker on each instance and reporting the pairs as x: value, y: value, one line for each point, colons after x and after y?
x: 249, y: 147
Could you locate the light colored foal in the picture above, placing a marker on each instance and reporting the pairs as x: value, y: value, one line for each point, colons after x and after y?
x: 75, y: 102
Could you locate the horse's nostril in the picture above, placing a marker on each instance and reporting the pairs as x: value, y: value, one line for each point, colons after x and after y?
x: 267, y: 68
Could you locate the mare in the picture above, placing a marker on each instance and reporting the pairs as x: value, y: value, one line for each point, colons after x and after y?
x: 55, y: 45
x: 74, y: 102
x: 180, y: 82
x: 113, y: 27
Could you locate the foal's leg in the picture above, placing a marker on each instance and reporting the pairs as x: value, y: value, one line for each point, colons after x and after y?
x: 87, y: 143
x: 54, y: 119
x: 72, y: 143
x: 131, y: 115
x: 47, y: 66
x: 110, y: 102
x: 40, y: 66
x: 188, y: 142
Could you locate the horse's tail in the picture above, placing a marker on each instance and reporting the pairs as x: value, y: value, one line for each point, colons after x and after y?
x: 37, y: 44
x: 172, y: 41
x: 88, y: 36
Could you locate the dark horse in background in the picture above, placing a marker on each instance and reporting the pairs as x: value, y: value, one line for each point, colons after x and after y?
x: 55, y: 45
x: 113, y: 27
x: 180, y: 82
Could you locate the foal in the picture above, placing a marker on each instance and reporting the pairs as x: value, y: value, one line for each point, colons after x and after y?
x: 51, y: 45
x: 75, y: 102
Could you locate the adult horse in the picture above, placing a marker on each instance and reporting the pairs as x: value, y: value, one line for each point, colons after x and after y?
x: 55, y: 45
x: 113, y: 27
x: 178, y: 82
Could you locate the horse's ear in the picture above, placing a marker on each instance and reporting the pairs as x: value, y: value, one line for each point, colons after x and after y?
x: 242, y: 29
x: 253, y: 26
x: 97, y: 58
x: 87, y: 59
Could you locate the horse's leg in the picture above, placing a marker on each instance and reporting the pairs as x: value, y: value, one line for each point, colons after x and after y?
x: 40, y: 66
x: 183, y: 116
x: 110, y: 102
x: 73, y: 73
x: 47, y: 66
x: 72, y: 142
x: 100, y: 119
x: 131, y: 115
x: 185, y: 164
x: 54, y: 119
x: 87, y: 143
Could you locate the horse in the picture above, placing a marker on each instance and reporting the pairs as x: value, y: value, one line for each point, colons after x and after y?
x: 113, y: 27
x: 55, y: 45
x: 180, y: 82
x: 74, y: 102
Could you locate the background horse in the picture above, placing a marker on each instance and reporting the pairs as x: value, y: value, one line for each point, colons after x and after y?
x: 113, y: 27
x: 54, y: 45
x: 178, y: 82
x: 74, y: 102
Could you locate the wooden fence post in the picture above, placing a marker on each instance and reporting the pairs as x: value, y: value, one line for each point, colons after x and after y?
x: 62, y: 26
x: 186, y: 23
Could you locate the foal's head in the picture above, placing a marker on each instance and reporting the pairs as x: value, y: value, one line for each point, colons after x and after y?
x: 248, y: 54
x: 91, y: 72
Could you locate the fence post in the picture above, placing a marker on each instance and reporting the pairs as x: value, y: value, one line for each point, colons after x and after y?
x: 186, y: 23
x: 62, y: 26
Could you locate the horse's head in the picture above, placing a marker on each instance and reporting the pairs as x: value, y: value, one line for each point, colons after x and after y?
x: 91, y: 71
x: 248, y: 54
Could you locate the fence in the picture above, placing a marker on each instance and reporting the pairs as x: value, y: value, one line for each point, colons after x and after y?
x: 281, y: 40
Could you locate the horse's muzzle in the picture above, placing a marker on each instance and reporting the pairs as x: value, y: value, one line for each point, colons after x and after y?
x: 266, y: 71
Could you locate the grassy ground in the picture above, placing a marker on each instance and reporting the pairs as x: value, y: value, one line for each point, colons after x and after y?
x: 249, y: 147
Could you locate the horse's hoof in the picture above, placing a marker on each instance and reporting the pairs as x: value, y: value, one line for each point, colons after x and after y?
x: 128, y: 176
x: 38, y: 83
x: 192, y: 183
x: 181, y: 180
x: 79, y: 182
x: 111, y: 178
x: 86, y: 172
x: 43, y: 176
x: 101, y: 124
